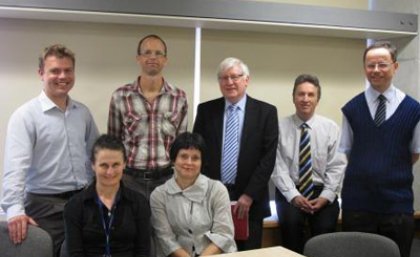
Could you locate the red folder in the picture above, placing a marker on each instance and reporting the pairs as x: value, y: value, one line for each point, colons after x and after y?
x: 241, y: 225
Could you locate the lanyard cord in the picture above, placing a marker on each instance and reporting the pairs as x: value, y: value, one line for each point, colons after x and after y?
x: 107, y: 222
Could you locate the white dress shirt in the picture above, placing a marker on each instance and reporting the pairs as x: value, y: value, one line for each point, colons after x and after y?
x: 46, y: 151
x: 328, y: 165
x: 394, y: 97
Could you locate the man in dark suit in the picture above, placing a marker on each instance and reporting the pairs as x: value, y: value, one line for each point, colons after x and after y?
x: 244, y: 159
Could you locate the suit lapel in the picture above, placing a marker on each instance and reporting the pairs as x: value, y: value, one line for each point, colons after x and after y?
x: 217, y: 121
x: 220, y: 110
x: 249, y: 121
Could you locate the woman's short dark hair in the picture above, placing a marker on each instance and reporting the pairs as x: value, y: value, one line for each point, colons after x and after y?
x: 107, y: 142
x: 188, y: 140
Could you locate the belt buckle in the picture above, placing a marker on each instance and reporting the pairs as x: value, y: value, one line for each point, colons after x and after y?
x: 148, y: 175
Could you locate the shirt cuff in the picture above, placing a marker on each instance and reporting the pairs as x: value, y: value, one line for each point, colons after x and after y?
x: 224, y: 242
x: 329, y: 195
x: 290, y: 194
x: 345, y: 150
x: 14, y: 210
x: 169, y: 247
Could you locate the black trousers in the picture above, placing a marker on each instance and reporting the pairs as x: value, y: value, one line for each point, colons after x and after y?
x: 143, y: 185
x: 398, y: 227
x: 293, y: 222
x: 255, y: 236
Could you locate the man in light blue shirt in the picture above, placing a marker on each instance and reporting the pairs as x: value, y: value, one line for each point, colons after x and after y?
x: 46, y: 152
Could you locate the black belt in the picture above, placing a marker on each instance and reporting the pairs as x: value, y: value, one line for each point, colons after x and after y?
x: 317, y: 190
x: 149, y: 174
x: 317, y: 187
x: 64, y: 195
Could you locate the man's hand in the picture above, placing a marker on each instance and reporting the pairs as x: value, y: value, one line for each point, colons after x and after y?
x: 18, y: 228
x: 318, y: 203
x: 303, y: 204
x: 242, y: 206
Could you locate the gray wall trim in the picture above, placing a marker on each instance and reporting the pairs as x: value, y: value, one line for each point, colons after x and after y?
x: 236, y: 10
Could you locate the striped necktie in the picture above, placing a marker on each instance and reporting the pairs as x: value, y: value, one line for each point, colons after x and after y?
x: 230, y: 146
x: 305, y: 163
x: 380, y: 111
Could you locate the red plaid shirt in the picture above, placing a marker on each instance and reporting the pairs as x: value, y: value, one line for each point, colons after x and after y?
x: 147, y: 129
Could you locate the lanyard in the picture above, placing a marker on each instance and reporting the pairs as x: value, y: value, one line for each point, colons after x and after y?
x: 107, y: 225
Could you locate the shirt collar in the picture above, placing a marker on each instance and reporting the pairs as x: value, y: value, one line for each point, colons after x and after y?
x: 194, y: 193
x: 298, y: 121
x: 165, y: 88
x: 372, y: 94
x: 240, y: 104
x: 90, y: 192
x: 47, y: 104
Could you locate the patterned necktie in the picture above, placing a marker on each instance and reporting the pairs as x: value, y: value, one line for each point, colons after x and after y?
x: 230, y: 146
x: 305, y: 163
x: 380, y: 111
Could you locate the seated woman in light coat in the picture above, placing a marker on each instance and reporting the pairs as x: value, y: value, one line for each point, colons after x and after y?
x: 191, y: 213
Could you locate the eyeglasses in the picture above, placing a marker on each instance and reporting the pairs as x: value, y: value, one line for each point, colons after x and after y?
x: 234, y: 78
x: 150, y: 53
x: 381, y: 66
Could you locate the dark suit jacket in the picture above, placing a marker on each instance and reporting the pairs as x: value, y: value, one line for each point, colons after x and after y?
x: 257, y: 150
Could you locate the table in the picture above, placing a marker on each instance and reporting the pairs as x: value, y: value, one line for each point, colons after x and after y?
x: 277, y: 251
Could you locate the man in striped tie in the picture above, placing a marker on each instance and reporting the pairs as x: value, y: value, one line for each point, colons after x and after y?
x: 241, y: 136
x: 381, y: 136
x: 308, y: 169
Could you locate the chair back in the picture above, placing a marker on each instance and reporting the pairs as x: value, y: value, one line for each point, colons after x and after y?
x: 351, y: 244
x: 37, y: 243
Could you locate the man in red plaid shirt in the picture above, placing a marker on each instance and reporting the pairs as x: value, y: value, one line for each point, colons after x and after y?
x: 147, y: 115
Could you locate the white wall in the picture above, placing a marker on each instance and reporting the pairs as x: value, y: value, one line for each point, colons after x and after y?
x: 106, y: 59
x: 275, y: 60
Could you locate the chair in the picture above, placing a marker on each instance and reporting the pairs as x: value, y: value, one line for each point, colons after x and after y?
x: 351, y: 244
x: 37, y: 243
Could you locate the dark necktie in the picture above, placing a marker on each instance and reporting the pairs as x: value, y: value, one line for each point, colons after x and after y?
x: 305, y: 163
x: 380, y: 111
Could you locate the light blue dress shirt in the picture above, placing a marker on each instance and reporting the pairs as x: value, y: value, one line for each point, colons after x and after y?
x: 241, y: 115
x: 46, y: 151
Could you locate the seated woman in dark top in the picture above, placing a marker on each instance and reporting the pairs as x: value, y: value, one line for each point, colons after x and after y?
x: 107, y: 219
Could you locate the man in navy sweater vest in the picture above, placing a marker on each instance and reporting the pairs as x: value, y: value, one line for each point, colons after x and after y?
x: 381, y: 137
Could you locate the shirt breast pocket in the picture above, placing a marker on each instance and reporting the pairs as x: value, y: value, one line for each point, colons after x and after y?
x: 135, y: 124
x: 169, y: 123
x: 319, y: 162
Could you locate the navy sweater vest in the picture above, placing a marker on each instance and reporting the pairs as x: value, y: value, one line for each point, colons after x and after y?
x: 379, y: 173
